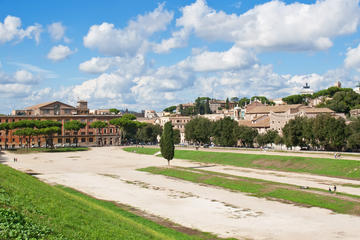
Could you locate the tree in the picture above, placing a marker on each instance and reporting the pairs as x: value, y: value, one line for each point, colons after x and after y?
x: 99, y: 125
x: 353, y: 130
x: 148, y: 133
x: 244, y: 101
x: 167, y: 142
x: 26, y: 133
x: 225, y: 132
x: 198, y: 130
x: 74, y: 126
x: 279, y: 141
x: 330, y: 133
x: 227, y: 105
x: 235, y: 99
x: 177, y: 136
x: 343, y: 101
x: 126, y: 126
x: 49, y: 132
x: 247, y: 135
x: 293, y: 132
x: 114, y: 110
x: 170, y: 109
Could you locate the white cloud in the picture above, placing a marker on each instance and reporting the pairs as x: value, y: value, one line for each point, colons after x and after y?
x: 132, y: 39
x: 352, y: 59
x: 177, y: 40
x: 275, y: 25
x: 23, y: 76
x: 44, y: 73
x: 234, y: 58
x: 59, y: 52
x: 126, y: 65
x: 57, y: 31
x: 11, y: 30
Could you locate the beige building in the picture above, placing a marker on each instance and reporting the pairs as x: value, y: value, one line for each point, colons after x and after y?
x: 178, y: 122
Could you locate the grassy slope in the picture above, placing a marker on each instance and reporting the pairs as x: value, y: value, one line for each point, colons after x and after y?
x: 319, y: 166
x: 261, y: 188
x: 74, y: 215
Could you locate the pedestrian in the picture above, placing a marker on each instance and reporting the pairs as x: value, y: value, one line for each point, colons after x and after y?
x: 334, y: 188
x: 329, y: 189
x: 14, y: 159
x: 335, y: 155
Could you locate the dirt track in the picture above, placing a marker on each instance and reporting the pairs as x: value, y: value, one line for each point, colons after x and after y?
x: 110, y: 173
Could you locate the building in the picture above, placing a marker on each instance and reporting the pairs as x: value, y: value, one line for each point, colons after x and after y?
x: 150, y: 114
x: 61, y: 112
x: 264, y: 118
x: 177, y: 121
x: 216, y: 106
x: 306, y: 89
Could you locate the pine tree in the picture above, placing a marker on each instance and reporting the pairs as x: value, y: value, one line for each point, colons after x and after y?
x: 167, y: 142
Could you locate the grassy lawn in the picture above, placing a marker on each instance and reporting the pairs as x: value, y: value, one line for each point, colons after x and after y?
x: 147, y: 151
x: 32, y: 150
x: 267, y: 189
x: 31, y: 209
x: 320, y: 166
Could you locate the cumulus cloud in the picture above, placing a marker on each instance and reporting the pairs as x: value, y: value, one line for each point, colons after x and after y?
x: 11, y: 29
x: 57, y: 32
x: 59, y: 52
x: 273, y: 25
x: 234, y: 58
x: 352, y: 59
x: 130, y: 40
x: 127, y: 65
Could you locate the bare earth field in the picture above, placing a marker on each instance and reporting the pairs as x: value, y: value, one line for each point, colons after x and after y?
x: 110, y: 173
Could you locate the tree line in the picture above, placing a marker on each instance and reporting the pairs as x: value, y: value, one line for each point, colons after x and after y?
x: 323, y: 132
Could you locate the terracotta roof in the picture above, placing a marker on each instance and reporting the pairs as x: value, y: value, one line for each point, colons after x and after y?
x: 263, y: 123
x: 317, y: 110
x: 275, y: 109
x: 45, y: 104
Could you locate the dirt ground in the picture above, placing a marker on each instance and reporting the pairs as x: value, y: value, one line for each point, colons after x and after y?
x: 110, y: 173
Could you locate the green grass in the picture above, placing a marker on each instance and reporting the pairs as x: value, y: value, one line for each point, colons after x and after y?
x: 262, y: 188
x: 63, y: 149
x: 319, y: 166
x: 140, y: 150
x: 56, y: 212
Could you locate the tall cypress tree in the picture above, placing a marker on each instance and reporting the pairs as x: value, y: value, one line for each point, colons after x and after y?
x: 167, y: 142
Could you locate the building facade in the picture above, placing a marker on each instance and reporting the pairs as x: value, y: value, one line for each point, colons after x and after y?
x: 60, y: 112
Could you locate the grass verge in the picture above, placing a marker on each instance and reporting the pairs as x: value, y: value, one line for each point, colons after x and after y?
x: 31, y: 208
x: 63, y: 149
x: 267, y: 189
x: 319, y: 166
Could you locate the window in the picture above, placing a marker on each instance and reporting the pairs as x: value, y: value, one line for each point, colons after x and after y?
x: 83, y: 140
x: 91, y: 140
x: 67, y: 140
x: 67, y: 111
x: 59, y: 140
x: 82, y: 133
x: 46, y: 111
x: 91, y: 133
x: 111, y: 131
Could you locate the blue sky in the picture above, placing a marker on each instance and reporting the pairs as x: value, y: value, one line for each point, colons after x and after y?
x: 148, y: 54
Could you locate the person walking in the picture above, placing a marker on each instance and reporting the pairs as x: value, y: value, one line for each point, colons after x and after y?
x: 334, y: 188
x: 329, y: 189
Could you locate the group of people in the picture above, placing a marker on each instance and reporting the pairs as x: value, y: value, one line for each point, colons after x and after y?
x: 337, y: 155
x: 15, y: 159
x: 333, y: 189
